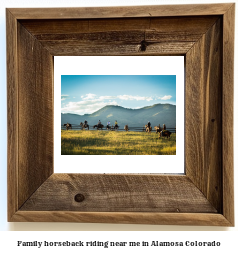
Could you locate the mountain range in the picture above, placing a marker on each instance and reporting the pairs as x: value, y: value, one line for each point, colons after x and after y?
x: 156, y: 114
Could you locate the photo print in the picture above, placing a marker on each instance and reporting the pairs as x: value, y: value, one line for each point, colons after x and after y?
x: 118, y: 114
x: 103, y: 106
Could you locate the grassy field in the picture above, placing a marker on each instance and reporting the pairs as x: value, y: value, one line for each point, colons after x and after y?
x: 115, y: 143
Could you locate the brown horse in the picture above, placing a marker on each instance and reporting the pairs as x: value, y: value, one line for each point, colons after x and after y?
x: 165, y: 133
x: 84, y: 126
x: 68, y: 126
x: 148, y: 129
x: 114, y: 128
x: 98, y: 126
x: 126, y: 127
x: 158, y: 129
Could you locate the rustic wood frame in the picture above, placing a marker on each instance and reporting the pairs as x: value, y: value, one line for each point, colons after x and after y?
x: 204, y: 34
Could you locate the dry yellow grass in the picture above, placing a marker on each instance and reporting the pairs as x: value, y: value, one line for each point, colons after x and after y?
x: 115, y: 143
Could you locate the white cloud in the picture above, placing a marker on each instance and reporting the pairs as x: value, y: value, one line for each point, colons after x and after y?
x: 89, y: 96
x: 91, y: 103
x: 85, y: 107
x: 166, y: 97
x: 130, y: 97
x: 64, y: 97
x: 121, y: 97
x: 107, y: 97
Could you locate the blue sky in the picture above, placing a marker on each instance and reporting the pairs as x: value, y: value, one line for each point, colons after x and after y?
x: 85, y: 94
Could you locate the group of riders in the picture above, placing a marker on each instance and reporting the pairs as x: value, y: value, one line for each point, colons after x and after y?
x: 100, y: 124
x: 164, y: 126
x: 158, y: 128
x: 109, y: 123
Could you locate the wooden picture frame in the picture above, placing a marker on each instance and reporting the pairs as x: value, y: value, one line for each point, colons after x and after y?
x: 204, y: 34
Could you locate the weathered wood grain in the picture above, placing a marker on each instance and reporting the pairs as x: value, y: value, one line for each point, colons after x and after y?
x: 34, y: 36
x: 177, y: 25
x: 77, y: 26
x: 12, y: 114
x: 35, y: 108
x: 227, y: 113
x: 119, y: 36
x: 203, y: 116
x: 72, y: 48
x: 114, y: 193
x: 192, y: 219
x: 121, y: 11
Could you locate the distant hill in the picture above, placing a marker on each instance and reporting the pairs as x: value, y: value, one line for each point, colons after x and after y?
x: 156, y: 114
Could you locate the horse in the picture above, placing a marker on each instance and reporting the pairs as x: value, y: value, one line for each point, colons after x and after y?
x: 99, y: 126
x: 84, y: 126
x: 158, y: 128
x: 126, y: 127
x: 114, y: 128
x: 108, y: 127
x: 165, y: 133
x: 148, y: 129
x: 68, y: 126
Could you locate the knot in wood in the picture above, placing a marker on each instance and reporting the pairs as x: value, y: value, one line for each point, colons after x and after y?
x: 143, y: 45
x: 79, y: 198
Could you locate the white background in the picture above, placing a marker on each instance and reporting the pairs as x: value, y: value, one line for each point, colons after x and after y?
x: 118, y: 65
x: 8, y: 239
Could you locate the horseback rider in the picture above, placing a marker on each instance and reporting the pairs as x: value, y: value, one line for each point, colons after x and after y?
x: 149, y: 124
x: 85, y: 123
x: 99, y: 123
x: 116, y: 124
x: 108, y: 124
x: 158, y: 129
x: 164, y: 128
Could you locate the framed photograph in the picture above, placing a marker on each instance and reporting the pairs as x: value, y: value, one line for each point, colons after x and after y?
x: 130, y: 96
x: 114, y: 48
